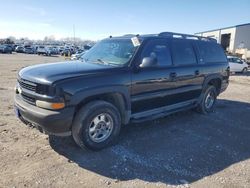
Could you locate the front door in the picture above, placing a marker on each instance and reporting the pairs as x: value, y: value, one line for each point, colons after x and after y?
x: 152, y: 86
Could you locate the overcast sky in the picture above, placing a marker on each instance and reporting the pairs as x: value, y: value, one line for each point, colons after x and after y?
x: 95, y: 19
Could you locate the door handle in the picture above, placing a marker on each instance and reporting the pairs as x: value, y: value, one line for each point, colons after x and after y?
x: 173, y: 75
x: 197, y: 72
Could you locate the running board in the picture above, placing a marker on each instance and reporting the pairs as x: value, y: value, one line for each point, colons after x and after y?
x: 163, y: 111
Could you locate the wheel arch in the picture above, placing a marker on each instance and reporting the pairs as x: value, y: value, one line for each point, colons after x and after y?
x: 119, y: 97
x: 215, y: 80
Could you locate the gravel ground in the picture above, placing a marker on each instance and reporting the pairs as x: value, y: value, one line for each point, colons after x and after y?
x: 186, y: 149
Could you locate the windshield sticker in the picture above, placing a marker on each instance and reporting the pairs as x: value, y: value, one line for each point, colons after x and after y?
x: 135, y: 41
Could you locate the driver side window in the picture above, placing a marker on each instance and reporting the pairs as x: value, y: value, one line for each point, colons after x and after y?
x: 235, y: 60
x: 159, y: 50
x: 239, y: 61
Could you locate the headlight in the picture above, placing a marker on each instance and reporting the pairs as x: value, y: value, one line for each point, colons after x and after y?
x: 45, y: 90
x: 50, y: 105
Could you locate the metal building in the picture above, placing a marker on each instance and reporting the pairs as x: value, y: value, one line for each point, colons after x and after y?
x: 230, y: 38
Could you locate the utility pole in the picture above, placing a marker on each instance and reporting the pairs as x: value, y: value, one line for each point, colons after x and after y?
x: 74, y: 33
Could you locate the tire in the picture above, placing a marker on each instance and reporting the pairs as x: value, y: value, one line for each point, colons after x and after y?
x: 92, y: 116
x: 244, y: 70
x: 208, y: 102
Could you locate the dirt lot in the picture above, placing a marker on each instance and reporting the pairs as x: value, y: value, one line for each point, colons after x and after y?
x: 184, y: 150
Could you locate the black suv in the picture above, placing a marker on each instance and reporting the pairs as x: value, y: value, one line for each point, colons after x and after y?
x: 124, y: 79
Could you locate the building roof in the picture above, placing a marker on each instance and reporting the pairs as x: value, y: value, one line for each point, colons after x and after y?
x: 223, y: 28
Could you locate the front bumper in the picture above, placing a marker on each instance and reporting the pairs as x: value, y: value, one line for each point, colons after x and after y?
x: 47, y: 121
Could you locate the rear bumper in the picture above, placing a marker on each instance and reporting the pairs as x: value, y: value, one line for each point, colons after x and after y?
x: 47, y: 121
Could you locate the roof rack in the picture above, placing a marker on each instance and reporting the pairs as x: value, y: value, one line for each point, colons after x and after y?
x: 185, y: 36
x: 131, y: 35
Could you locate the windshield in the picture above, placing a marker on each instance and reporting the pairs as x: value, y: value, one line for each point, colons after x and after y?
x: 110, y: 51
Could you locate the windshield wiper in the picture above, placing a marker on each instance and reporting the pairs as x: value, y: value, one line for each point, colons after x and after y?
x: 106, y: 63
x: 101, y: 61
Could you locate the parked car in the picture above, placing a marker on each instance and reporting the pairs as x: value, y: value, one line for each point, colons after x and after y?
x: 19, y: 49
x: 60, y: 49
x: 67, y: 52
x: 87, y: 47
x: 51, y: 51
x: 237, y: 65
x: 5, y: 49
x: 55, y: 50
x: 122, y: 80
x: 77, y: 55
x: 41, y: 50
x: 29, y: 50
x: 14, y: 47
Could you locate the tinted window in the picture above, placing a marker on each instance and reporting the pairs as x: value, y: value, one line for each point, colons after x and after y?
x: 158, y: 49
x: 211, y: 52
x: 183, y: 52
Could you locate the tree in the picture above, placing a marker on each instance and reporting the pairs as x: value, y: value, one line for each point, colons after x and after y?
x: 9, y: 41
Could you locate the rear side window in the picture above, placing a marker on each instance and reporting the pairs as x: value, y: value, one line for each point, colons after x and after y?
x: 211, y: 52
x: 183, y: 52
x: 158, y: 49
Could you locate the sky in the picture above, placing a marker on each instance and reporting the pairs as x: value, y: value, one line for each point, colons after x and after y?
x: 97, y: 19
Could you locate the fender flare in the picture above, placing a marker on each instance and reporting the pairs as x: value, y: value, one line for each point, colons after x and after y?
x: 83, y: 94
x: 209, y: 78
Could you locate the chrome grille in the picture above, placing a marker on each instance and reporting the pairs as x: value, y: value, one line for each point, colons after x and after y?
x: 28, y: 99
x: 27, y: 85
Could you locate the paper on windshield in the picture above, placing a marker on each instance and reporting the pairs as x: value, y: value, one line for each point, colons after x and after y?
x: 135, y: 41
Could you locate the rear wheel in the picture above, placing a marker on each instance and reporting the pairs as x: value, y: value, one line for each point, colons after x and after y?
x: 208, y: 100
x: 96, y: 125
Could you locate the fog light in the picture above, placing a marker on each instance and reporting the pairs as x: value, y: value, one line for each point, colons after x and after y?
x: 49, y: 105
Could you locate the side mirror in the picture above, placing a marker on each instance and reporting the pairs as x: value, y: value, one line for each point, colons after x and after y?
x: 148, y: 62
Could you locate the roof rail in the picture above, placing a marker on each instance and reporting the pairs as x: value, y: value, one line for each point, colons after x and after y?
x: 129, y: 35
x: 185, y: 36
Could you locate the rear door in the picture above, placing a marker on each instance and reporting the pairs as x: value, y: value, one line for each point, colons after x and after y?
x: 188, y: 74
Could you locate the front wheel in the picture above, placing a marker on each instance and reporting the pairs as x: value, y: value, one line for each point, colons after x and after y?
x: 208, y: 100
x: 96, y: 125
x: 244, y: 71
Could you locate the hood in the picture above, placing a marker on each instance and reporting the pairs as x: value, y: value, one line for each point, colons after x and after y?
x: 51, y: 72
